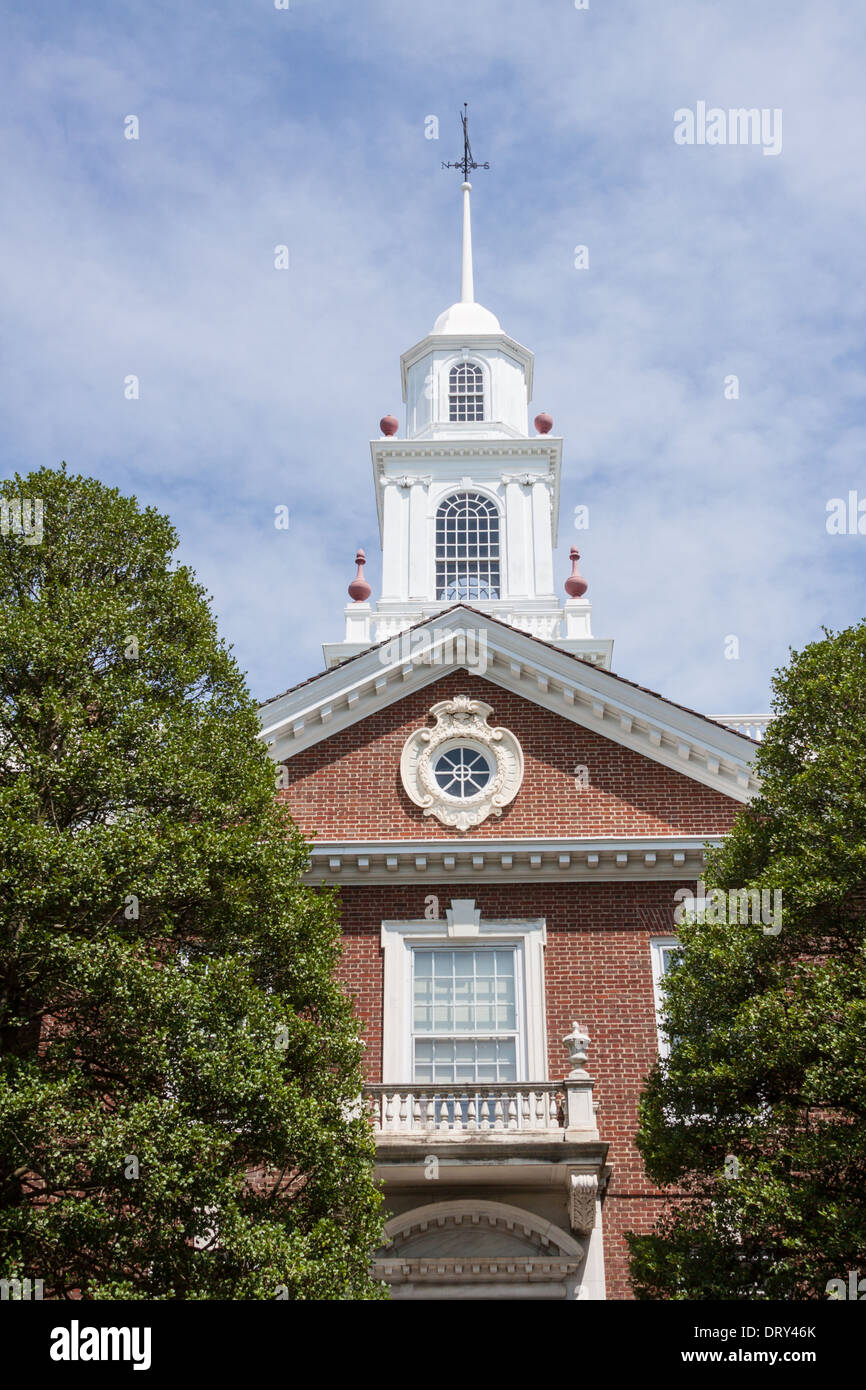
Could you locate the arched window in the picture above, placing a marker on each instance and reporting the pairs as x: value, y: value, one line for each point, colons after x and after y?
x: 467, y: 547
x: 466, y: 392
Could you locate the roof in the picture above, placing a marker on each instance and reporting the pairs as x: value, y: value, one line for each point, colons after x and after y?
x: 467, y: 607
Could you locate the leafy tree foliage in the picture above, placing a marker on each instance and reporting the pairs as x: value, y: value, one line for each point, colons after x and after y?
x: 178, y: 1066
x: 758, y: 1113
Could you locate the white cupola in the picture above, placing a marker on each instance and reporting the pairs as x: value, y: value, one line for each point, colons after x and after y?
x: 468, y: 500
x: 467, y: 378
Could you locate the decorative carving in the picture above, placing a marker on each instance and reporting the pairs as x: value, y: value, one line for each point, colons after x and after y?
x: 461, y: 722
x: 577, y: 1043
x: 406, y: 480
x: 582, y: 1192
x: 506, y: 449
x: 527, y: 479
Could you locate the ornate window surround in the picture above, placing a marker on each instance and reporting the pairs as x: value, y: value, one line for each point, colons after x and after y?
x: 462, y: 923
x: 461, y: 721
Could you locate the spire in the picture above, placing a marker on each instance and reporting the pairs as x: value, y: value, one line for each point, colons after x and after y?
x: 458, y: 319
x: 467, y: 287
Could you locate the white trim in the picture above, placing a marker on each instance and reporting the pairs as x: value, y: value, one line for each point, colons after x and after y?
x: 482, y: 455
x: 471, y: 860
x: 577, y: 692
x: 659, y: 944
x: 463, y: 923
x: 441, y: 491
x: 457, y: 359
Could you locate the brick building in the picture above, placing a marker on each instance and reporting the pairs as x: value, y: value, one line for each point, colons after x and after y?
x: 508, y: 822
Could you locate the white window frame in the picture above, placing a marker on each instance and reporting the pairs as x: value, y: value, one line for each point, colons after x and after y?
x: 658, y: 945
x: 443, y: 415
x: 519, y: 1032
x: 464, y: 363
x: 462, y: 925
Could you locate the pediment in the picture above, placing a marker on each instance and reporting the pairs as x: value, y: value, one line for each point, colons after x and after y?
x: 626, y: 714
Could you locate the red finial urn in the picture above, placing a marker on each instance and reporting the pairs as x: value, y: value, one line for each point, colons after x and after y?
x: 388, y: 425
x: 359, y: 589
x: 543, y: 422
x: 575, y: 585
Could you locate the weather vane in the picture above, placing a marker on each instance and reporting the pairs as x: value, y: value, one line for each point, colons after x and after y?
x: 467, y: 162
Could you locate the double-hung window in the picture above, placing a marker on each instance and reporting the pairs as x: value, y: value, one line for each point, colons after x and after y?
x: 466, y: 1024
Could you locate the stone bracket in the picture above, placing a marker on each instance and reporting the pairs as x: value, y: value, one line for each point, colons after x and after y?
x: 582, y: 1193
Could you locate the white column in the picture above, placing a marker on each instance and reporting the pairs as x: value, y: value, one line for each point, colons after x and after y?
x: 542, y: 544
x: 418, y: 541
x: 593, y: 1281
x: 517, y: 580
x: 395, y: 578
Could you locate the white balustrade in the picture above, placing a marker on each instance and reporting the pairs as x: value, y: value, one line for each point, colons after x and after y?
x: 419, y: 1108
x: 752, y: 725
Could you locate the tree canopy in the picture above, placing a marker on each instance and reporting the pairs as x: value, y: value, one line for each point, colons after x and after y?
x: 758, y: 1112
x: 178, y: 1066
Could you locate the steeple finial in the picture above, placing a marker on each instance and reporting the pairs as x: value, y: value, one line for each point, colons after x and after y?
x: 467, y: 162
x: 467, y: 285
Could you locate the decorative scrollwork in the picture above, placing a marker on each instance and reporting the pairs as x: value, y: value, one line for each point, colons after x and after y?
x: 462, y: 722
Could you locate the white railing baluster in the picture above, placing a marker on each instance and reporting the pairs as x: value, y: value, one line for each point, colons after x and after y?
x: 529, y: 1107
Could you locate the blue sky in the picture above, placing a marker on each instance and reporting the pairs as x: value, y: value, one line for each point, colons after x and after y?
x: 259, y: 387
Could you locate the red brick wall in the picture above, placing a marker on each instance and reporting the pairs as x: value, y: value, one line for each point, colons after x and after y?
x: 348, y: 786
x: 597, y: 964
x: 597, y: 970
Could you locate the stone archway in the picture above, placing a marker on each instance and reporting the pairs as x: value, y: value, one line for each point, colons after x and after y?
x: 472, y: 1249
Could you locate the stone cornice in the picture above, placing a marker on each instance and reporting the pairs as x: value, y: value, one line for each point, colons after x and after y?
x: 563, y: 860
x: 546, y: 446
x: 547, y: 449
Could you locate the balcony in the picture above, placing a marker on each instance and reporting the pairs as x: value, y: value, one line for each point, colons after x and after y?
x: 494, y: 1187
x: 425, y: 1110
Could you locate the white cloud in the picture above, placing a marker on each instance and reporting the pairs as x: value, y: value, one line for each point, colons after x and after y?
x: 261, y: 387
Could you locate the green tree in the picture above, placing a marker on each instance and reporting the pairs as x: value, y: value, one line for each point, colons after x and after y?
x: 765, y: 1081
x: 178, y: 1066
